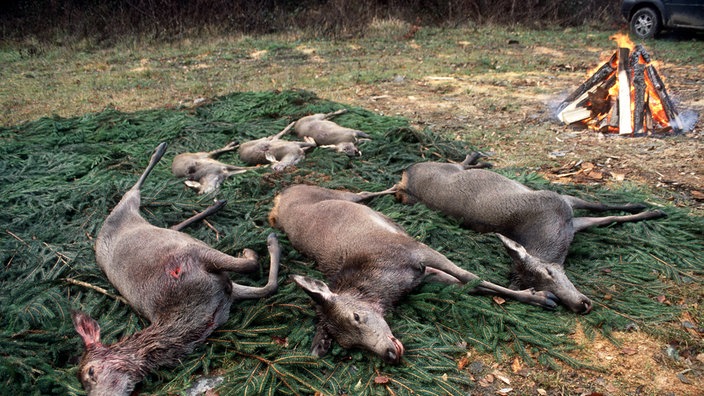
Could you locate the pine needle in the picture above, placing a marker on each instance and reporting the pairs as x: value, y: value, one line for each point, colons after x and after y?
x: 60, y: 177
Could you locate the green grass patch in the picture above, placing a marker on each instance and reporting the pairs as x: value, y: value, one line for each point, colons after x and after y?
x: 60, y: 177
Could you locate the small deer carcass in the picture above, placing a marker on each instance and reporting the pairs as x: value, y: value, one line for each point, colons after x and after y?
x: 326, y: 133
x: 177, y: 282
x: 272, y: 149
x: 203, y: 172
x: 370, y: 263
x: 537, y: 227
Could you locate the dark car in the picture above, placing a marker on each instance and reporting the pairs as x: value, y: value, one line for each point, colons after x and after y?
x: 647, y: 18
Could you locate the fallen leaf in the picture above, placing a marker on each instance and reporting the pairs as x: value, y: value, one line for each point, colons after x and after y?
x: 516, y: 365
x: 502, y: 377
x: 283, y: 341
x: 381, y: 379
x: 489, y: 379
x: 629, y: 351
x: 542, y: 392
x: 463, y: 362
x: 498, y: 300
x: 596, y: 175
x: 697, y: 195
x: 504, y: 391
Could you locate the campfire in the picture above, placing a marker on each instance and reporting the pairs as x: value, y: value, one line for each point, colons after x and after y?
x: 625, y: 95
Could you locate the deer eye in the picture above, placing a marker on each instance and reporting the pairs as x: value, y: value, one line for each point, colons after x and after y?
x: 91, y: 373
x: 356, y: 316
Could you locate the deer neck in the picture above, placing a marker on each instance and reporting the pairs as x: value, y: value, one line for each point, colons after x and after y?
x: 160, y: 344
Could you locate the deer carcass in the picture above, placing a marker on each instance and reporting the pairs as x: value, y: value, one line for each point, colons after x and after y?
x: 177, y: 282
x: 369, y: 262
x: 536, y: 227
x: 272, y: 149
x: 326, y: 133
x: 203, y: 172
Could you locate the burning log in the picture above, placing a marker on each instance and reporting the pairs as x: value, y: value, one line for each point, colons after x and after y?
x: 624, y: 95
x: 601, y: 74
x: 638, y: 97
x: 665, y: 100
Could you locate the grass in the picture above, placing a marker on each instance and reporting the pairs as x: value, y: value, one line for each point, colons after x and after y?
x: 75, y: 78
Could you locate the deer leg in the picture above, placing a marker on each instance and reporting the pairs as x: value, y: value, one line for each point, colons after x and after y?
x: 197, y: 217
x: 578, y: 203
x: 128, y: 207
x: 158, y: 153
x: 335, y: 113
x: 235, y: 170
x: 230, y: 147
x: 242, y: 292
x: 470, y: 162
x: 580, y: 223
x: 283, y: 131
x: 436, y: 275
x: 543, y: 298
x: 364, y: 195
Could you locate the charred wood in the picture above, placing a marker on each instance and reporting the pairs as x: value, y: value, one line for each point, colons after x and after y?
x: 638, y: 96
x: 667, y: 104
x: 601, y: 74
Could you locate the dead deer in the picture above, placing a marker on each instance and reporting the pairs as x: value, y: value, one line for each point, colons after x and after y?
x: 272, y: 149
x: 203, y: 172
x: 326, y: 133
x: 175, y: 281
x: 370, y: 263
x: 536, y: 226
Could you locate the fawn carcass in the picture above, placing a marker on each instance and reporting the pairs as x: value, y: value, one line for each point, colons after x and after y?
x: 326, y: 133
x: 272, y: 149
x: 203, y: 172
x: 369, y: 262
x: 535, y: 226
x: 177, y: 282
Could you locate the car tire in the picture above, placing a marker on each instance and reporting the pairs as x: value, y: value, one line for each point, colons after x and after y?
x: 645, y: 23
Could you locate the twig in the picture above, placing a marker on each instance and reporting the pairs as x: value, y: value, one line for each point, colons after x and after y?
x: 96, y: 288
x: 16, y: 237
x: 217, y: 233
x: 661, y: 261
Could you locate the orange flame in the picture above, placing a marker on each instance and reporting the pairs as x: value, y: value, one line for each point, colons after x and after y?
x: 622, y: 40
x: 652, y: 96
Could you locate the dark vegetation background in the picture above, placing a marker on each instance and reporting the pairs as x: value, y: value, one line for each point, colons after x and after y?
x: 168, y: 19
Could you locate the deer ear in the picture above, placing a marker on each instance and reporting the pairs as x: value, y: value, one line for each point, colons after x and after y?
x: 317, y: 290
x: 322, y: 341
x: 87, y: 328
x: 517, y: 252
